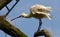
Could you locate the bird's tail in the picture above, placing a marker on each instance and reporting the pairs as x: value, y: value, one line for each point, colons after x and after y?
x: 49, y: 17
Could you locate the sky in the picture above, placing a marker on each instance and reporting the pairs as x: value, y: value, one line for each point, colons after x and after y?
x: 30, y: 25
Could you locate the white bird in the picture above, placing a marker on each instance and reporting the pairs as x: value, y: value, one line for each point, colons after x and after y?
x: 37, y: 11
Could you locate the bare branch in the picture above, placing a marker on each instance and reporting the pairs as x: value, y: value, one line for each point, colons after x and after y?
x: 43, y: 32
x: 3, y: 3
x: 11, y: 8
x: 10, y: 29
x: 7, y: 8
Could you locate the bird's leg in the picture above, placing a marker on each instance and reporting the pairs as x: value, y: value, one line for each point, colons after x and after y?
x: 40, y: 24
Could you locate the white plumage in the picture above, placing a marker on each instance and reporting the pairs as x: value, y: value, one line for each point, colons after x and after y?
x: 37, y: 11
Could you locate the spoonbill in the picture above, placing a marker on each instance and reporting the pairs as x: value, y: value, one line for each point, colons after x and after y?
x: 37, y: 11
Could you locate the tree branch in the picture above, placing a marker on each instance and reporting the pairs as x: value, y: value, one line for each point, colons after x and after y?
x: 43, y: 32
x: 10, y: 29
x: 4, y: 3
x: 11, y: 8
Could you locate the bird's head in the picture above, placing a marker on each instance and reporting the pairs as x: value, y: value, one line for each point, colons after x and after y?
x: 23, y: 15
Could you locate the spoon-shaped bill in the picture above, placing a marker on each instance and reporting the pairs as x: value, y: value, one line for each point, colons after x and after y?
x: 16, y: 18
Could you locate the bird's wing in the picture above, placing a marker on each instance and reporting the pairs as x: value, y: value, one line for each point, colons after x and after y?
x: 46, y: 14
x: 37, y: 12
x: 41, y: 13
x: 44, y: 9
